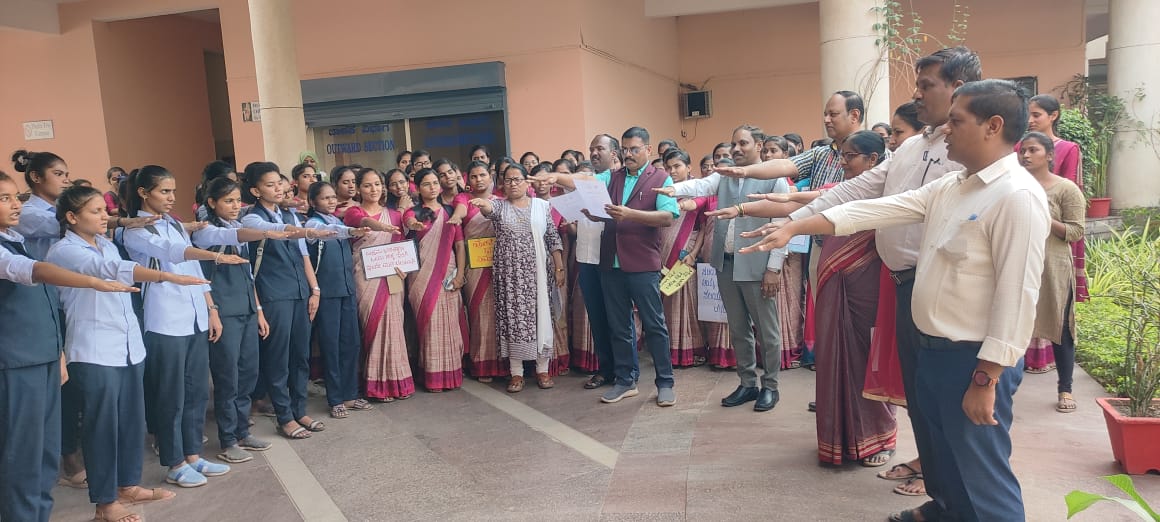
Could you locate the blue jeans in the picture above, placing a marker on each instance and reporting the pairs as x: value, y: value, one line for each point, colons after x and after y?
x: 593, y: 294
x: 969, y: 464
x: 622, y: 290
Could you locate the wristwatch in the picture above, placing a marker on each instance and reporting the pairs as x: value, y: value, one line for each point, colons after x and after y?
x: 982, y: 378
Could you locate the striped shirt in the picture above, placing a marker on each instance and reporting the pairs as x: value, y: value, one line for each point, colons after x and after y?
x: 821, y: 164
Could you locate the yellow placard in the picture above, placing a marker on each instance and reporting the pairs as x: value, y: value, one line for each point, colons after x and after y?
x: 479, y: 252
x: 676, y: 278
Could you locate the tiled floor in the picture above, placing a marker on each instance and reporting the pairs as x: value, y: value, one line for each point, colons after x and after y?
x: 453, y: 456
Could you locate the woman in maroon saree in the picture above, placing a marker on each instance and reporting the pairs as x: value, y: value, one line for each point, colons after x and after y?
x: 388, y: 368
x: 433, y: 290
x: 484, y: 358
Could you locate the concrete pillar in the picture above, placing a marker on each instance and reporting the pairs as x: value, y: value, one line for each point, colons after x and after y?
x: 850, y: 59
x: 1133, y: 44
x: 279, y: 90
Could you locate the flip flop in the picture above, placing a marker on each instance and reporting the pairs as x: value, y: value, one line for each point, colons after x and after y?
x: 885, y: 475
x: 315, y: 426
x: 901, y: 488
x: 1066, y: 403
x: 155, y: 494
x: 360, y: 405
x: 299, y: 433
x: 867, y: 463
x: 79, y: 480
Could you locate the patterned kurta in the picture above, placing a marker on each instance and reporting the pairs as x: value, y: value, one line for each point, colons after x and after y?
x: 513, y: 269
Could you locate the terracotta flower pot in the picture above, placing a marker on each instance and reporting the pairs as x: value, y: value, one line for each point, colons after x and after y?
x: 1099, y: 207
x: 1133, y: 438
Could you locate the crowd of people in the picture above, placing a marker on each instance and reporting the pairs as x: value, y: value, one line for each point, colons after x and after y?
x: 951, y: 251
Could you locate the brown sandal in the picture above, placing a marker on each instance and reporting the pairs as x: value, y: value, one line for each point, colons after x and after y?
x: 119, y: 513
x: 544, y: 381
x: 154, y: 495
x: 516, y: 385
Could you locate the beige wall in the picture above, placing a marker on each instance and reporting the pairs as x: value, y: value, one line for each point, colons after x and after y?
x: 762, y: 64
x: 574, y: 67
x: 154, y: 94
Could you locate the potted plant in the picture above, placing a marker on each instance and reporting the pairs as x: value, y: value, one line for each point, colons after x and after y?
x: 1133, y: 417
x: 1075, y: 127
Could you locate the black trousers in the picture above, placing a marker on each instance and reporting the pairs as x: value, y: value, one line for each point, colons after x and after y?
x: 29, y: 440
x: 233, y: 363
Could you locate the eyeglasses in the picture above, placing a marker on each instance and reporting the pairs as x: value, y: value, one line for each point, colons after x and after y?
x: 849, y: 156
x: 513, y: 181
x: 632, y: 151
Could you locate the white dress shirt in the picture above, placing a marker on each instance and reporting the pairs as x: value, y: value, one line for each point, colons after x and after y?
x: 707, y: 186
x: 100, y: 327
x: 921, y: 159
x: 980, y: 259
x: 171, y: 309
x: 17, y: 269
x: 39, y: 227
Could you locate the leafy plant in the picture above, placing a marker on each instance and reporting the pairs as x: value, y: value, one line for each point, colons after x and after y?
x: 1078, y: 501
x: 1074, y: 126
x: 1108, y: 114
x: 1135, y: 261
x: 900, y: 37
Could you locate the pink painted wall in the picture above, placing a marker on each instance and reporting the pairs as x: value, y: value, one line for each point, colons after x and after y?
x: 763, y: 64
x: 574, y: 67
x: 629, y: 67
x: 57, y: 80
x: 154, y: 94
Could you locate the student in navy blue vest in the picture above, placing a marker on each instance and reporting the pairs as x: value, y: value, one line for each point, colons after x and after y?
x: 289, y: 293
x: 31, y: 367
x: 106, y: 353
x: 233, y: 358
x: 177, y: 321
x: 336, y: 324
x: 47, y: 175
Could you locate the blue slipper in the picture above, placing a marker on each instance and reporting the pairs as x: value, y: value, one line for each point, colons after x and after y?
x: 210, y: 469
x: 186, y: 477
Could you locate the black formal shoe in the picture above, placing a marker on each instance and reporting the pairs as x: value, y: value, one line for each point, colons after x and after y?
x: 740, y: 396
x: 766, y: 400
x: 813, y: 406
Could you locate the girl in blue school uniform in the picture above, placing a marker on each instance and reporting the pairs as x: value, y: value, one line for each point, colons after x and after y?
x: 105, y: 352
x: 180, y: 322
x: 290, y: 295
x: 233, y: 357
x: 336, y: 324
x: 31, y: 366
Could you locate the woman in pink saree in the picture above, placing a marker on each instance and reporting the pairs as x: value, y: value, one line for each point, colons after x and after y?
x: 485, y: 363
x: 433, y: 290
x: 680, y: 243
x: 388, y: 368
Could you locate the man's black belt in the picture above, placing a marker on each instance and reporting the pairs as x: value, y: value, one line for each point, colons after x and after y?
x: 902, y: 277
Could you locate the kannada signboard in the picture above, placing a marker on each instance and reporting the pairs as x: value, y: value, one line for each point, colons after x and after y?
x: 380, y: 261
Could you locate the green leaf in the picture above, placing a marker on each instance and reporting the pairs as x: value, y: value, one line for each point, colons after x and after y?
x: 1078, y: 501
x: 1124, y: 483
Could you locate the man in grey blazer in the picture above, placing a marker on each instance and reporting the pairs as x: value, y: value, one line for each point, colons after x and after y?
x: 748, y: 284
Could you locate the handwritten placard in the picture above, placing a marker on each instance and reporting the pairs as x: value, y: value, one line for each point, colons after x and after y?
x: 380, y: 261
x: 479, y: 251
x: 709, y: 305
x: 676, y: 278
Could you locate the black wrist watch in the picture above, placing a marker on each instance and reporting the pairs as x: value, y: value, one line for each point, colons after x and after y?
x: 981, y: 378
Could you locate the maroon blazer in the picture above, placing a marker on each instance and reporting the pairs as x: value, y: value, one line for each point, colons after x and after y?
x: 638, y: 245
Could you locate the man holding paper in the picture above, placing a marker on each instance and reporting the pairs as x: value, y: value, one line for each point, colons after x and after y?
x: 748, y: 284
x: 630, y: 261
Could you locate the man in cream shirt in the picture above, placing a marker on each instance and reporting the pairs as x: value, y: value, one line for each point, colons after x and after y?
x: 976, y: 285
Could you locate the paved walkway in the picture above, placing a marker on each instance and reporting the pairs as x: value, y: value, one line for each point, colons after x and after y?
x: 482, y: 454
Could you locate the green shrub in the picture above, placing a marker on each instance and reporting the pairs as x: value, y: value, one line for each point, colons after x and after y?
x: 1099, y: 347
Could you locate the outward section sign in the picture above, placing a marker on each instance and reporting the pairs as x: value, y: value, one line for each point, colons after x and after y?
x: 38, y: 130
x: 709, y: 305
x: 382, y: 260
x: 479, y: 251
